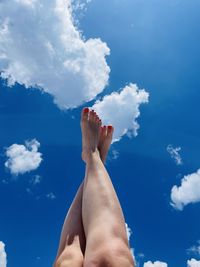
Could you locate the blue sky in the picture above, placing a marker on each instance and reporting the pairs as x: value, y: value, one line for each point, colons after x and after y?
x: 154, y: 44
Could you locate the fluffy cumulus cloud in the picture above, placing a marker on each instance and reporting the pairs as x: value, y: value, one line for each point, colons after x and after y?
x: 23, y: 158
x: 187, y: 192
x: 121, y: 109
x: 175, y: 155
x: 155, y: 264
x: 3, y: 257
x: 193, y: 263
x: 40, y: 46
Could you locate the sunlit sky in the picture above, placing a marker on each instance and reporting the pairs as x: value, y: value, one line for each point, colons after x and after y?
x: 49, y: 71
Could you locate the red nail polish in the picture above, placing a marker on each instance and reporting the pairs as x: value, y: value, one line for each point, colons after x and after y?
x: 86, y: 110
x: 110, y: 127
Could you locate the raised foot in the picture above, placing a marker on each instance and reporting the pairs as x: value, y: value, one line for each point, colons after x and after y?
x: 90, y: 126
x: 96, y: 139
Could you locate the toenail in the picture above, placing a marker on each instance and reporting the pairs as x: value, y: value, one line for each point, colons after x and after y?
x: 86, y: 110
x: 110, y: 127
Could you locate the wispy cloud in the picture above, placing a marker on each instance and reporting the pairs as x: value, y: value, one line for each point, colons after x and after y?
x: 114, y: 154
x: 80, y: 5
x: 54, y: 55
x: 188, y: 192
x: 121, y: 109
x: 194, y: 249
x: 193, y: 263
x: 3, y: 256
x: 174, y: 153
x: 23, y: 158
x: 51, y: 195
x: 129, y: 233
x: 5, y: 181
x: 155, y: 264
x: 36, y: 179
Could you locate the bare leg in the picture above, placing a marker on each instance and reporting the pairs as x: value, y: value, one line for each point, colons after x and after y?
x: 72, y: 241
x: 103, y: 219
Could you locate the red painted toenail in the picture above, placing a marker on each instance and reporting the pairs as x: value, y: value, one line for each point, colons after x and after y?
x: 110, y: 127
x: 86, y: 110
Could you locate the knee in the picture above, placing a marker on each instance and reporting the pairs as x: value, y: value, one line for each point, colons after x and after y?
x: 69, y: 258
x: 114, y: 254
x: 69, y: 262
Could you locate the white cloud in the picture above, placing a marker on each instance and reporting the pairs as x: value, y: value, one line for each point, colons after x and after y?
x: 174, y: 153
x: 23, y: 158
x: 40, y: 46
x: 121, y: 109
x: 194, y: 249
x: 128, y: 231
x: 193, y: 263
x: 188, y: 192
x: 155, y: 264
x: 3, y: 256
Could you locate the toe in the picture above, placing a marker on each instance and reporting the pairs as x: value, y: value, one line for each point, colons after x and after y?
x: 110, y: 130
x: 92, y: 115
x: 104, y: 131
x: 97, y: 119
x: 84, y: 114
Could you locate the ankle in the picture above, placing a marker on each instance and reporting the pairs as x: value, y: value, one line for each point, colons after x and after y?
x: 89, y: 155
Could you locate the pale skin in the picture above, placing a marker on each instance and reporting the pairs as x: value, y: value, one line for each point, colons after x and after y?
x: 94, y: 233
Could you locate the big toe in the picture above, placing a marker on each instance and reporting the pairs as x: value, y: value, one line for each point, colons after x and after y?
x: 110, y: 130
x: 84, y: 114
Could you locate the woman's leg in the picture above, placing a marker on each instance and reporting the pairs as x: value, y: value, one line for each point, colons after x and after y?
x: 103, y: 220
x: 72, y: 240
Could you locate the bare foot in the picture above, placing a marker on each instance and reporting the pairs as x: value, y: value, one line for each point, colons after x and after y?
x: 105, y: 139
x: 90, y: 126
